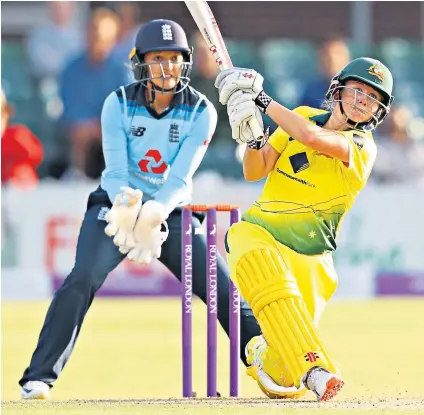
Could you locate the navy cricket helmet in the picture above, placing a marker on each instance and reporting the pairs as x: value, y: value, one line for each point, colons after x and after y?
x: 161, y: 35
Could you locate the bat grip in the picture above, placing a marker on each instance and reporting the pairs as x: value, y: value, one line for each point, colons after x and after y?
x: 256, y: 129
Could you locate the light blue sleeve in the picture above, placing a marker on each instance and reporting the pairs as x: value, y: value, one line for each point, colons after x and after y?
x: 188, y: 159
x: 114, y: 141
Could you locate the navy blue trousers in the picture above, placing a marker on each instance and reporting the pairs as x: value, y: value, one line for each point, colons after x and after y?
x: 96, y: 257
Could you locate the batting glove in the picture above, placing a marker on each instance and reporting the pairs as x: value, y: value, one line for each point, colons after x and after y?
x: 248, y: 80
x: 243, y: 113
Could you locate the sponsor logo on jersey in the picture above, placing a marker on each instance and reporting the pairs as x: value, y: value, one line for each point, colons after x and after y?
x: 299, y: 162
x: 295, y: 178
x: 152, y: 162
x: 150, y: 179
x: 137, y: 131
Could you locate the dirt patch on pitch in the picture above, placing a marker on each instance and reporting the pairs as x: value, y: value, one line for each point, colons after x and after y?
x: 383, y: 404
x: 398, y: 404
x: 157, y: 406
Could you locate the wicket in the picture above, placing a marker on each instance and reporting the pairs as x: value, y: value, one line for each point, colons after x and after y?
x: 212, y: 302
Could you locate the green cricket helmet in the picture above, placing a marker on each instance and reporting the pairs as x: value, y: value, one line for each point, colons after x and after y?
x: 370, y: 72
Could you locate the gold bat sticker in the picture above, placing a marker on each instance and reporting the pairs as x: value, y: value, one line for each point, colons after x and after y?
x: 377, y: 72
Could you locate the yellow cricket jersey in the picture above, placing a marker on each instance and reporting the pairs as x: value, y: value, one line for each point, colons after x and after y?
x: 307, y: 193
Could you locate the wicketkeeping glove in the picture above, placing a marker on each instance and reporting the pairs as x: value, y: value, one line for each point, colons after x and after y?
x: 150, y: 232
x: 122, y: 217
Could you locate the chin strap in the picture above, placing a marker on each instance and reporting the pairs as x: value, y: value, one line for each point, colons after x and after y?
x: 152, y: 94
x: 348, y: 121
x: 154, y: 88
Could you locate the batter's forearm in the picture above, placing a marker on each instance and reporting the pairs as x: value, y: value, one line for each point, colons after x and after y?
x: 254, y: 166
x: 329, y: 142
x: 293, y: 124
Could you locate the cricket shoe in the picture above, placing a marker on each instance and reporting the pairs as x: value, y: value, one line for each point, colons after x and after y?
x: 323, y: 383
x: 35, y: 389
x: 257, y: 351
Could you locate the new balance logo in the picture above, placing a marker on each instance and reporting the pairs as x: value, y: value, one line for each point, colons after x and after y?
x: 166, y: 32
x: 137, y: 131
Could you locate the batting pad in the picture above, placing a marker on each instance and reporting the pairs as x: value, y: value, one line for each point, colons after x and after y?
x: 272, y: 293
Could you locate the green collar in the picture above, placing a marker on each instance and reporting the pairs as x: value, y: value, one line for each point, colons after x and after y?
x: 321, y: 119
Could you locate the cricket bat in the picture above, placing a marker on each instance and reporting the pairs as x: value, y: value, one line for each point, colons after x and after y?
x: 206, y: 23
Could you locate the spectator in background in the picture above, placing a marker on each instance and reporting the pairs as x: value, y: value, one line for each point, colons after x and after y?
x: 21, y: 151
x: 129, y: 14
x: 205, y: 70
x: 333, y: 56
x: 84, y: 85
x: 400, y: 159
x: 50, y: 46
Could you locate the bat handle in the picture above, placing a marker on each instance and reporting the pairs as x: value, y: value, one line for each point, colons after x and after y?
x: 256, y: 129
x: 224, y: 66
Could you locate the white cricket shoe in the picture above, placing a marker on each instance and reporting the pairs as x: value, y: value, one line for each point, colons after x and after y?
x: 324, y: 384
x: 35, y: 389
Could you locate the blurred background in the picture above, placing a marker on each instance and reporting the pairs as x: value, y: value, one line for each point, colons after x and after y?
x: 51, y: 140
x: 51, y: 160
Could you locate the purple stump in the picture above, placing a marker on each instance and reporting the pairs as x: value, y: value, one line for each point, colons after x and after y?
x: 187, y: 301
x: 234, y: 326
x: 212, y: 303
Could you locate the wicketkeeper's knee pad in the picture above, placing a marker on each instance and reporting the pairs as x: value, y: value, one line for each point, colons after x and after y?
x: 272, y: 293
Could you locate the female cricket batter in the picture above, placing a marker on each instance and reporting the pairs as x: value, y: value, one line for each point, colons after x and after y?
x: 155, y: 134
x: 280, y: 254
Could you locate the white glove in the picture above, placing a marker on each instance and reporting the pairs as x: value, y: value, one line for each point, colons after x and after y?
x: 149, y: 233
x: 122, y: 217
x: 234, y: 79
x: 151, y: 245
x: 248, y: 80
x: 243, y: 113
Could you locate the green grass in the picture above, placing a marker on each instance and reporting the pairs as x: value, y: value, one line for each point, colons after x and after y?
x: 128, y: 360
